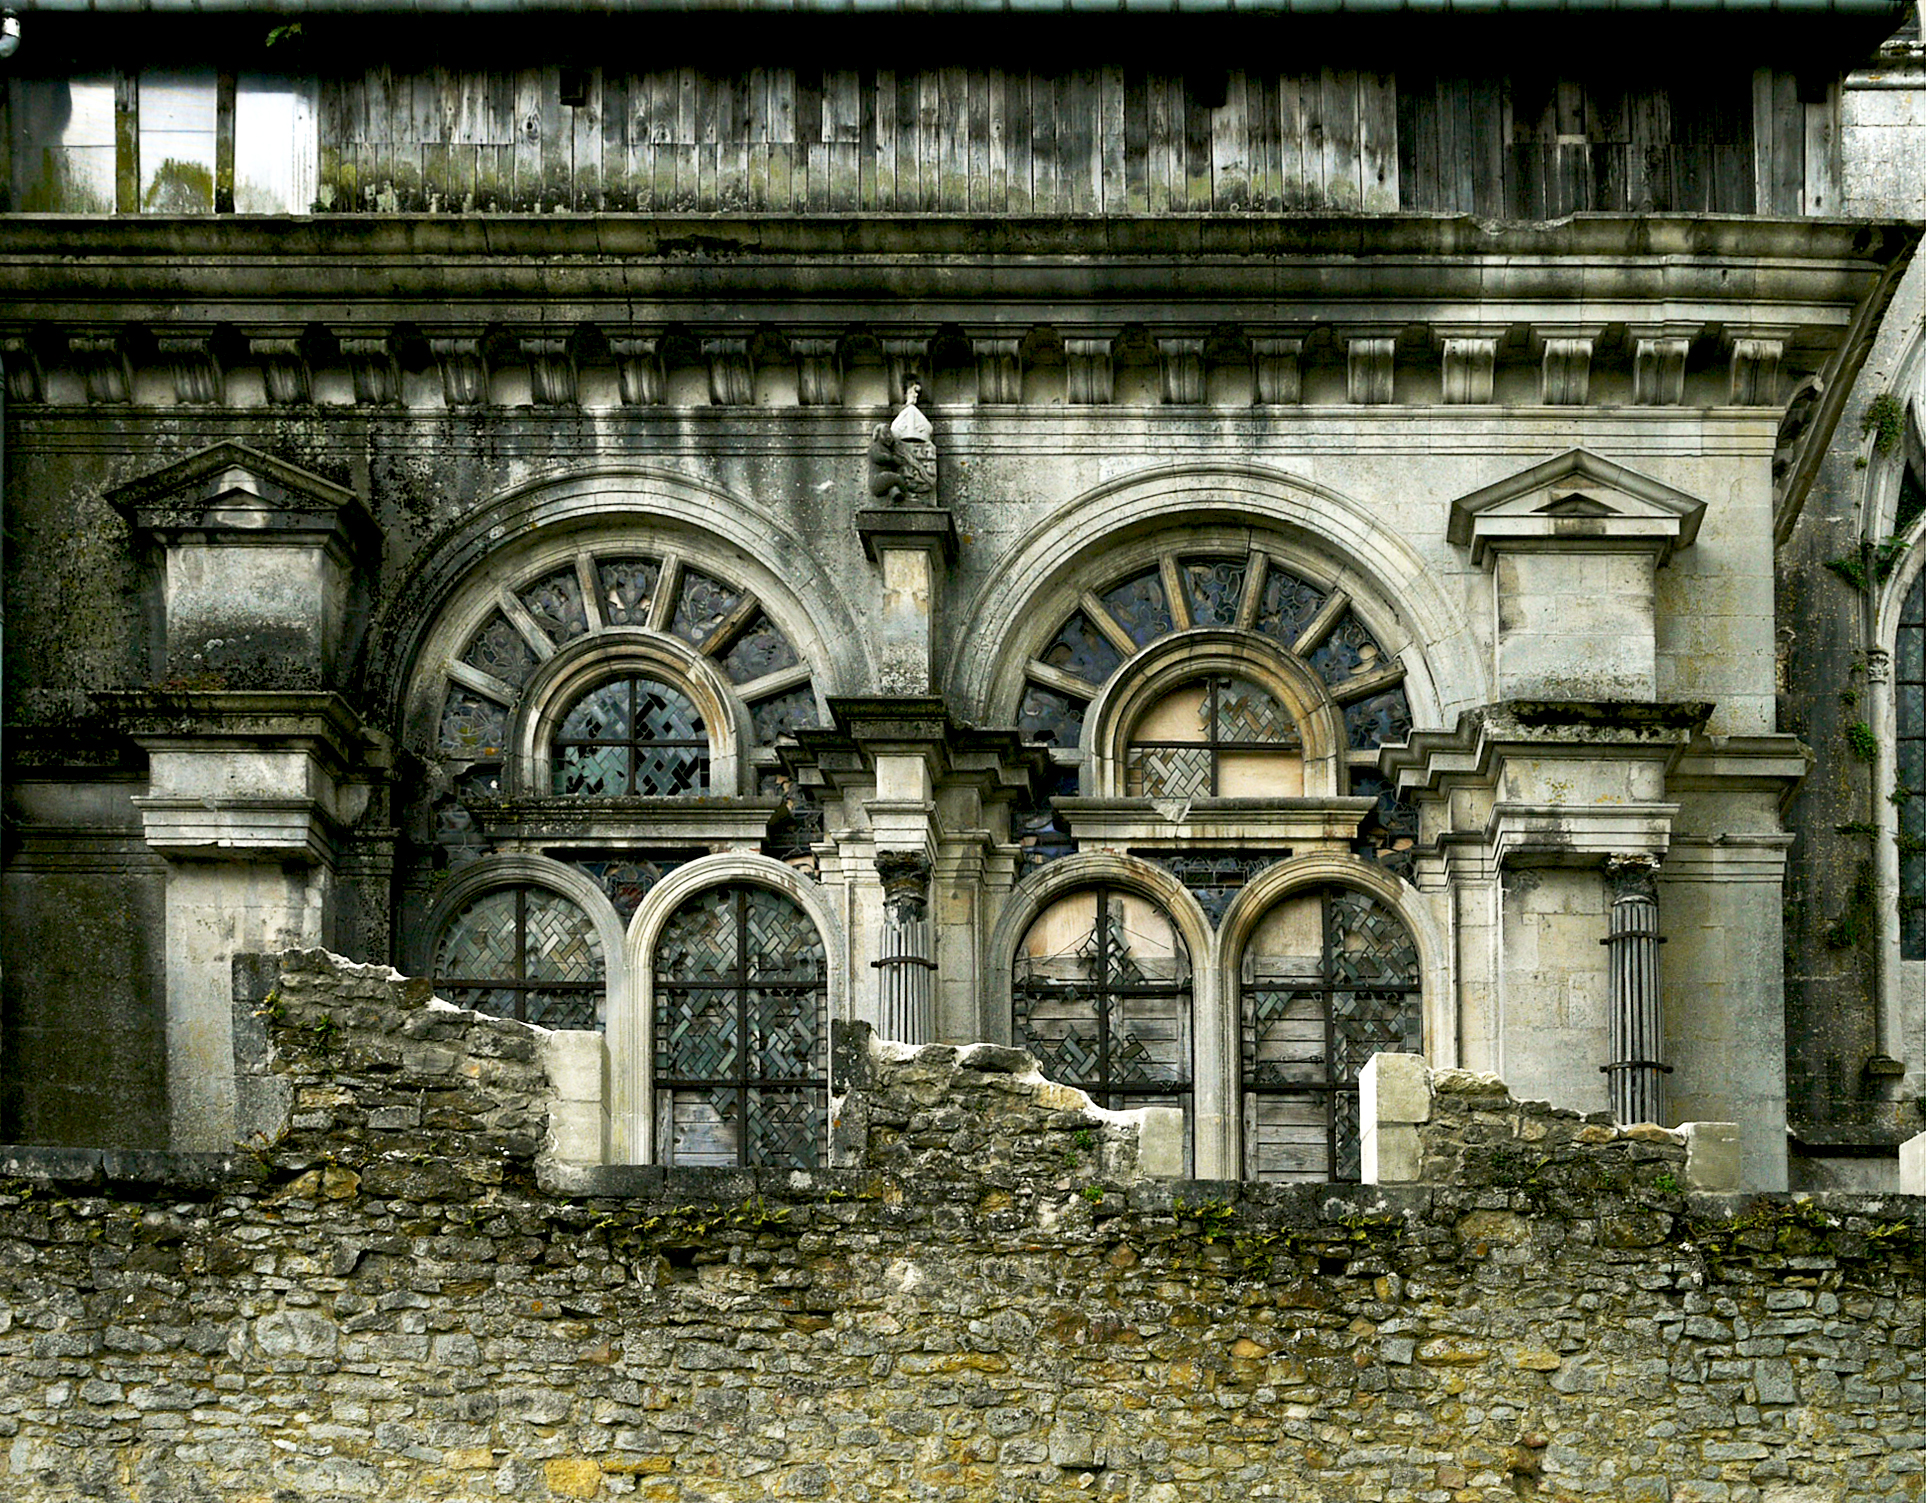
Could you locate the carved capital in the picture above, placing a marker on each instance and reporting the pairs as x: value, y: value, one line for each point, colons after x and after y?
x: 731, y: 384
x: 999, y: 370
x: 819, y: 376
x: 1633, y: 875
x: 189, y: 356
x: 464, y: 375
x: 1566, y: 380
x: 284, y: 367
x: 638, y: 370
x: 1755, y: 371
x: 25, y: 380
x: 1280, y: 372
x: 551, y: 369
x: 1658, y: 371
x: 371, y: 366
x: 1469, y: 363
x: 101, y: 360
x: 906, y: 883
x: 1183, y: 357
x: 1087, y: 370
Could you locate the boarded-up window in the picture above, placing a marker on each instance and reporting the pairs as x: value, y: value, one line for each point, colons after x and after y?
x: 1102, y: 998
x: 63, y: 145
x: 1329, y: 979
x: 741, y: 1032
x: 1215, y: 738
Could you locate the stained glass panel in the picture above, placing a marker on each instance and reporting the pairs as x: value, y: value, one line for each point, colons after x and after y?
x: 632, y: 737
x: 471, y: 726
x: 702, y: 604
x: 555, y: 601
x: 500, y: 650
x: 1287, y: 606
x: 1248, y: 715
x: 781, y: 714
x: 1081, y: 649
x: 628, y: 585
x: 1168, y: 771
x: 627, y: 879
x: 1348, y: 651
x: 1049, y: 717
x: 760, y: 650
x: 559, y: 944
x: 1212, y: 587
x: 1140, y: 608
x: 480, y: 942
x: 1381, y: 720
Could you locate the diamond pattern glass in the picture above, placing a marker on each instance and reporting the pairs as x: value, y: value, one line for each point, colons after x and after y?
x: 500, y: 650
x: 760, y: 650
x: 1168, y: 771
x: 741, y: 1016
x: 523, y: 952
x: 1310, y: 1024
x: 1248, y: 715
x: 1287, y: 606
x: 632, y: 737
x: 1212, y: 587
x: 701, y: 605
x: 1107, y: 1009
x: 628, y: 585
x: 1081, y: 649
x: 555, y: 601
x: 1140, y: 608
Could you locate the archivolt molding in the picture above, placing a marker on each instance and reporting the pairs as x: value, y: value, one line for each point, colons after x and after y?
x: 538, y: 525
x: 1329, y: 538
x: 513, y: 869
x: 630, y: 1031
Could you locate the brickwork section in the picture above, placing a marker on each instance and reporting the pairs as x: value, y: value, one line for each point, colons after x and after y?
x: 990, y: 1304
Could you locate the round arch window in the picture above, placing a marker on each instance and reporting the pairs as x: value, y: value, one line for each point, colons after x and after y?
x: 632, y: 737
x: 1101, y: 996
x: 1330, y: 977
x: 524, y: 953
x: 1217, y: 737
x: 741, y: 1024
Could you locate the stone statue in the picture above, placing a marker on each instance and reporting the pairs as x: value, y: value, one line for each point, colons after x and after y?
x: 902, y: 457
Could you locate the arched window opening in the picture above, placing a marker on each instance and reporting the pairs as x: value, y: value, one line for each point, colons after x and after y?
x: 1219, y: 737
x: 632, y: 736
x: 524, y: 953
x: 1102, y: 998
x: 1330, y: 977
x: 741, y: 1023
x: 1909, y: 682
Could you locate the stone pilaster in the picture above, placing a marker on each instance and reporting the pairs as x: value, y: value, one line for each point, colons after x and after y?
x: 1634, y: 1070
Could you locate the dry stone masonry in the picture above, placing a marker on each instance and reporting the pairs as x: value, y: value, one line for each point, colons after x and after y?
x: 379, y: 1299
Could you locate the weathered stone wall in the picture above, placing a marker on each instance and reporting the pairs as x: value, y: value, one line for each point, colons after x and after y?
x: 385, y: 1303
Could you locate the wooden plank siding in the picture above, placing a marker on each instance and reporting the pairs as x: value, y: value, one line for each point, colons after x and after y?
x: 1085, y: 141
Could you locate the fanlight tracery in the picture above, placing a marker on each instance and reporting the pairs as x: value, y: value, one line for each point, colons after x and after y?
x: 1249, y: 593
x: 1330, y: 977
x: 598, y: 591
x: 1102, y: 997
x: 740, y: 1073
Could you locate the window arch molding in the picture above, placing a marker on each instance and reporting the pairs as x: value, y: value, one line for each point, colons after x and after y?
x: 1326, y: 536
x: 631, y: 1029
x: 1903, y: 1031
x: 1186, y: 656
x: 539, y: 524
x: 1212, y: 1131
x: 618, y: 652
x: 1323, y: 869
x: 516, y: 869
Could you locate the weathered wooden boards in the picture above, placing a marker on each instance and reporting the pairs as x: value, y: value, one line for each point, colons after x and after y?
x: 1105, y: 140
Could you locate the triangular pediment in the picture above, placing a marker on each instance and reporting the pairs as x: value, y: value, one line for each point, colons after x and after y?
x: 230, y: 487
x: 1578, y: 499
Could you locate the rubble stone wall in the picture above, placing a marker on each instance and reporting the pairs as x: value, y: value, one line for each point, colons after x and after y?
x: 382, y: 1301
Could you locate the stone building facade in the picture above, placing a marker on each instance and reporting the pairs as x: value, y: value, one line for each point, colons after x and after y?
x: 1334, y: 598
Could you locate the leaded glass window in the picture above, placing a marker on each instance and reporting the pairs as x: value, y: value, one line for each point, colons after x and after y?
x: 1101, y: 996
x: 741, y: 1029
x: 524, y: 953
x: 1330, y: 978
x: 1909, y: 682
x: 632, y: 736
x: 1215, y: 738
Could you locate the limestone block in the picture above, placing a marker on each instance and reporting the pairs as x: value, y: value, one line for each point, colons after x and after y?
x: 1160, y: 1141
x: 1711, y: 1155
x: 1394, y: 1088
x: 1912, y: 1165
x: 575, y: 1132
x: 1390, y: 1154
x: 577, y: 1065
